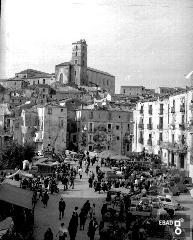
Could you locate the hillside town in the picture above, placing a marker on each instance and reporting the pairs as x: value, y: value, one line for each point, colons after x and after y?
x: 106, y: 163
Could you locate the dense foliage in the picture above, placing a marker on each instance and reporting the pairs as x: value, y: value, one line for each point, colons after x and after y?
x: 13, y: 154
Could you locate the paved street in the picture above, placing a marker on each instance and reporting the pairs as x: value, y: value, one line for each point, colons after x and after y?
x: 48, y: 217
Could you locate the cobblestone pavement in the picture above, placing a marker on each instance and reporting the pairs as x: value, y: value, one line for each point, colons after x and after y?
x: 48, y: 217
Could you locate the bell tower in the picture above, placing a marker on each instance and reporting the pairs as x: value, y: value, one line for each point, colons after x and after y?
x: 79, y: 62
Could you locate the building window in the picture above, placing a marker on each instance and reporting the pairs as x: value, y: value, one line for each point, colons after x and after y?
x: 91, y: 127
x: 76, y: 61
x: 62, y: 109
x: 109, y: 126
x: 119, y: 116
x: 76, y: 47
x: 61, y: 123
x: 38, y: 81
x: 43, y: 96
x: 117, y: 127
x: 83, y: 62
x: 76, y: 53
x: 15, y: 83
x: 49, y: 110
x: 108, y: 147
x: 44, y: 81
x: 109, y: 137
x: 74, y: 73
x: 107, y: 82
x: 61, y: 77
x: 90, y: 148
x: 173, y: 138
x: 118, y: 138
x: 160, y: 137
x: 183, y: 117
x: 17, y: 125
x: 124, y: 90
x: 90, y: 137
x: 33, y: 82
x: 91, y: 115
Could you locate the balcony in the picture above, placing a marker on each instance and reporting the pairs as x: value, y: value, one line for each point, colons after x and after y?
x: 141, y: 126
x: 182, y: 108
x: 182, y: 127
x: 141, y: 111
x: 149, y: 126
x: 149, y: 142
x: 172, y: 126
x: 175, y: 147
x: 172, y: 109
x: 141, y: 140
x: 160, y: 126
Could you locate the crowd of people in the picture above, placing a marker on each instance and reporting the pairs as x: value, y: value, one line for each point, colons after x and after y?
x: 78, y: 219
x: 138, y: 176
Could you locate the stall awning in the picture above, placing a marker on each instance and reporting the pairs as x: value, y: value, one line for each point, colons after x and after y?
x: 21, y: 173
x: 16, y: 196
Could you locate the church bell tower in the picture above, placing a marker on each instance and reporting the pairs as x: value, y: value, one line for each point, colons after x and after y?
x: 79, y: 62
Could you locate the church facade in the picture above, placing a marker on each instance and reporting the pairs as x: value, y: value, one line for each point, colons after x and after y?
x: 77, y: 72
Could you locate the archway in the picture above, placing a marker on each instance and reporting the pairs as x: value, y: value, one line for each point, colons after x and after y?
x: 61, y: 77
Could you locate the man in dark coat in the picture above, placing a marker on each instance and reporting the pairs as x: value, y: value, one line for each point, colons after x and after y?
x: 45, y: 199
x: 48, y: 235
x: 93, y: 225
x: 61, y: 207
x: 73, y: 226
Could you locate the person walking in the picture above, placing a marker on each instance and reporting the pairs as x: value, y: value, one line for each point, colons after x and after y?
x: 92, y: 212
x: 61, y: 206
x: 45, y: 199
x: 72, y: 181
x: 48, y: 234
x: 73, y: 226
x: 93, y: 225
x: 80, y: 172
x: 83, y: 217
x: 62, y: 233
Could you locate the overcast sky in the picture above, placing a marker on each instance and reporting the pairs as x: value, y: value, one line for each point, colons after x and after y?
x: 141, y: 42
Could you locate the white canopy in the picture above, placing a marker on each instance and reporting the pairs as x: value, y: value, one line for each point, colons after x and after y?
x: 21, y: 173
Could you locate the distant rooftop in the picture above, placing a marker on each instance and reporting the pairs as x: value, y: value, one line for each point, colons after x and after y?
x: 132, y: 87
x: 99, y: 71
x: 31, y: 73
x: 63, y: 64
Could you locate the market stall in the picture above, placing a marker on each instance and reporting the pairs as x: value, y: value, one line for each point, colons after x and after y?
x: 17, y: 202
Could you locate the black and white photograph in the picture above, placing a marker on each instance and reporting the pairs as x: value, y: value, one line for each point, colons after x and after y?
x: 96, y: 120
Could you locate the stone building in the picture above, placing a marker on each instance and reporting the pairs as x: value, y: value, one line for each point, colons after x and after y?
x: 52, y: 130
x: 164, y: 126
x: 77, y: 72
x: 132, y: 90
x: 6, y: 124
x: 105, y: 130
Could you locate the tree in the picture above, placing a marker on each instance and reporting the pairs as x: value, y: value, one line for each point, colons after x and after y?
x: 13, y: 154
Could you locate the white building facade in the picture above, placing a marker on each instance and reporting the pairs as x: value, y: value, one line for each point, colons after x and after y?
x: 165, y: 127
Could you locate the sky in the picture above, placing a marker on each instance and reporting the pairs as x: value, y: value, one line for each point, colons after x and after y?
x: 140, y: 42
